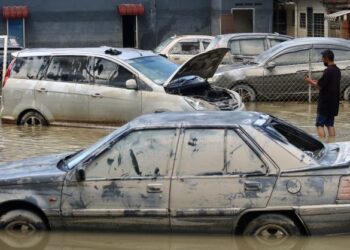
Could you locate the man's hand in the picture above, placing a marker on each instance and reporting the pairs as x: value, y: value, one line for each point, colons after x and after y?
x: 310, y: 81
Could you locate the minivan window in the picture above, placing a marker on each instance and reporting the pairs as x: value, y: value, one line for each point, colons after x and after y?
x: 70, y: 69
x: 186, y: 47
x: 110, y: 73
x: 29, y: 67
x: 156, y: 68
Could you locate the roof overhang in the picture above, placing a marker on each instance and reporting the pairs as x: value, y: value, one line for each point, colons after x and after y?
x: 15, y: 12
x: 131, y: 9
x: 335, y: 15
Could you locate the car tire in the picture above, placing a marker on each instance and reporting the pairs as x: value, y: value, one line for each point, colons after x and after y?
x: 33, y: 118
x: 246, y: 92
x: 347, y: 94
x: 273, y: 230
x: 22, y: 229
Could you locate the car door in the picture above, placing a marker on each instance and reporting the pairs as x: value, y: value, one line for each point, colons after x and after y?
x: 342, y: 60
x: 110, y: 101
x: 216, y: 176
x: 63, y: 91
x: 284, y: 74
x: 183, y: 50
x: 126, y: 186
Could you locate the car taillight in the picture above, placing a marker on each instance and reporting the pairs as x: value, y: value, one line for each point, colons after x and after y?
x: 344, y: 188
x: 8, y: 71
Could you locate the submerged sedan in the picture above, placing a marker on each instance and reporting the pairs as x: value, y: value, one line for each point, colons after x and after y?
x: 235, y: 172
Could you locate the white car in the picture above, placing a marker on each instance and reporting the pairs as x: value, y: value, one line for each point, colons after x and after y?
x: 108, y: 85
x: 179, y: 49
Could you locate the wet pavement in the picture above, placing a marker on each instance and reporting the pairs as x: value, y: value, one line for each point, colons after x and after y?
x: 18, y: 142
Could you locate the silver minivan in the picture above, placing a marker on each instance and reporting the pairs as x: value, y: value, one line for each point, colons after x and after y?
x: 108, y: 85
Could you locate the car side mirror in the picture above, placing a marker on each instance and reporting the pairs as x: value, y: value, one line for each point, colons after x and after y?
x: 131, y: 84
x: 80, y: 174
x: 271, y: 65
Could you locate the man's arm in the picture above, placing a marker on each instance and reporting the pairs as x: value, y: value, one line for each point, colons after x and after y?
x: 312, y: 82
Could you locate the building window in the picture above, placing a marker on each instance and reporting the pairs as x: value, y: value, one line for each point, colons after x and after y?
x: 309, y: 17
x: 15, y: 28
x: 318, y: 25
x: 302, y: 20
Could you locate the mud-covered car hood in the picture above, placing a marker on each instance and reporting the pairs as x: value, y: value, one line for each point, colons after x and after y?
x: 32, y: 170
x: 203, y: 65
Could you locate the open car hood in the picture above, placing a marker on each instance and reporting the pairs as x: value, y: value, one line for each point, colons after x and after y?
x: 203, y: 65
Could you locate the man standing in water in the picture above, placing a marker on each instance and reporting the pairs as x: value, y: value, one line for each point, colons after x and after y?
x: 328, y: 101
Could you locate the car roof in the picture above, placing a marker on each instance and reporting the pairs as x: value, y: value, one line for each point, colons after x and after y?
x: 192, y: 36
x: 126, y: 53
x: 233, y: 35
x: 197, y: 118
x: 314, y: 40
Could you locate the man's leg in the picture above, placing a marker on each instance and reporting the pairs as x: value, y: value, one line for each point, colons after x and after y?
x: 320, y: 131
x: 331, y: 131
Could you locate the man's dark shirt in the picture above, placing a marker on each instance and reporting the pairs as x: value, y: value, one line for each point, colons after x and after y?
x: 329, y: 83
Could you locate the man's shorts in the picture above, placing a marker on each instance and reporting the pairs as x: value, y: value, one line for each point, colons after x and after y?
x: 322, y: 121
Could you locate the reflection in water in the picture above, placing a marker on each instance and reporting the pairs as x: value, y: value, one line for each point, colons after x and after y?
x: 118, y: 241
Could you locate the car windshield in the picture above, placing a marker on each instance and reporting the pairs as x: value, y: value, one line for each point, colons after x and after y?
x: 213, y: 43
x: 267, y: 53
x: 76, y: 159
x: 163, y: 44
x: 286, y: 133
x: 156, y: 68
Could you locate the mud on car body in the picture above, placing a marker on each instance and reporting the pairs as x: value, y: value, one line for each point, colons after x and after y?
x: 108, y: 85
x: 234, y: 172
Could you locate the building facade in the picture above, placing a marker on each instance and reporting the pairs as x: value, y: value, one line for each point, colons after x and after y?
x: 127, y: 23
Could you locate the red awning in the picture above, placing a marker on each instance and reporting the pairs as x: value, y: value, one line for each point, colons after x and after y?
x: 131, y: 9
x: 15, y: 12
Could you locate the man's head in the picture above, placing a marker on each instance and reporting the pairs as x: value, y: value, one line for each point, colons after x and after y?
x: 327, y: 57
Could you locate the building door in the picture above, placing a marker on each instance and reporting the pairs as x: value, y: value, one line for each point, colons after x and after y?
x: 243, y: 20
x: 129, y: 31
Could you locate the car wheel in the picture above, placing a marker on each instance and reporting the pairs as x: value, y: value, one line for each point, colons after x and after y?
x: 272, y: 229
x: 347, y: 94
x: 247, y: 93
x: 33, y: 118
x: 22, y: 229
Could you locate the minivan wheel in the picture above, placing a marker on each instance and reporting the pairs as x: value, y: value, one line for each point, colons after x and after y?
x: 347, y: 94
x: 247, y: 93
x: 271, y: 229
x: 22, y: 229
x: 33, y: 118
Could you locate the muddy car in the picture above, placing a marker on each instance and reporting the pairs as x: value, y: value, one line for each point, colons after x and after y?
x: 245, y: 47
x: 108, y: 86
x: 233, y: 172
x: 278, y: 73
x: 179, y: 49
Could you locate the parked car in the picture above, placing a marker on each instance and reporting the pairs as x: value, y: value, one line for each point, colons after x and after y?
x: 278, y: 73
x: 181, y: 48
x: 243, y: 172
x: 109, y: 86
x: 246, y: 46
x: 12, y: 46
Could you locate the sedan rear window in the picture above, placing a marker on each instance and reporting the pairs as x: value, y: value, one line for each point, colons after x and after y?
x: 289, y: 134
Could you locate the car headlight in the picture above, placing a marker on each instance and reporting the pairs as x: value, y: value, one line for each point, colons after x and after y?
x: 199, y: 105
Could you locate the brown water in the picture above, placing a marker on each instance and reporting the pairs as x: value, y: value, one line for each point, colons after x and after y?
x: 18, y: 142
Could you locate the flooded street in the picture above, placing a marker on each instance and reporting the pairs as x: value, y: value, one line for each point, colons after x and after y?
x: 18, y: 142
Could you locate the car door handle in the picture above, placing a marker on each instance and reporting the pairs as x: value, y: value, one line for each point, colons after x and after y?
x: 42, y: 90
x: 154, y: 188
x: 96, y: 95
x: 252, y: 186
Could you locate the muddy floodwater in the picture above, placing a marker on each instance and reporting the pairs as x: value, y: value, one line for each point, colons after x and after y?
x: 18, y: 142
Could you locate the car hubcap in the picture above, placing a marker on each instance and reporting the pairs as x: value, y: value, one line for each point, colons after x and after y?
x: 20, y: 228
x: 272, y: 234
x: 245, y: 94
x: 32, y: 121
